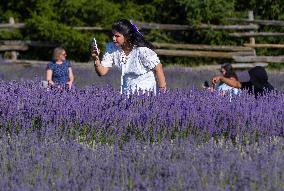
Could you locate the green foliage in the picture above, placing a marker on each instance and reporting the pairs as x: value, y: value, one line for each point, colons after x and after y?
x: 169, y: 12
x: 276, y: 66
x: 131, y: 10
x: 268, y: 9
x: 52, y: 20
x: 15, y: 8
x: 75, y: 42
x: 207, y: 11
x: 88, y: 12
x: 13, y: 35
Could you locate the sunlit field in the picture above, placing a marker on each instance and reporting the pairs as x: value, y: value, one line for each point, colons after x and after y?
x: 85, y: 75
x: 94, y: 138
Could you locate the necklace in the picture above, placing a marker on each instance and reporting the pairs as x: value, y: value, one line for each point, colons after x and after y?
x: 124, y: 58
x: 125, y: 54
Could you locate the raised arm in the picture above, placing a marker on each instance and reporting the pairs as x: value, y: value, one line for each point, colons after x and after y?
x: 100, y: 69
x: 229, y: 81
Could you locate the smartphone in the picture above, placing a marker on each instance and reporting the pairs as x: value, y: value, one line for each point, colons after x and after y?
x: 94, y: 44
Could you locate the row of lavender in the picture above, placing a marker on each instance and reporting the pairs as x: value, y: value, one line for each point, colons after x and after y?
x: 177, y: 76
x: 102, y: 114
x: 97, y: 139
x: 29, y: 162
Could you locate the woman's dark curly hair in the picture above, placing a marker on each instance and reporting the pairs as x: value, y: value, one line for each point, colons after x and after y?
x: 131, y: 33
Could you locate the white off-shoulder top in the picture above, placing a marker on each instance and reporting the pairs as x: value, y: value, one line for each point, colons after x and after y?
x: 136, y: 68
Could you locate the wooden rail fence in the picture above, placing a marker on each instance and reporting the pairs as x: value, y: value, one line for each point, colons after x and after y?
x: 242, y: 56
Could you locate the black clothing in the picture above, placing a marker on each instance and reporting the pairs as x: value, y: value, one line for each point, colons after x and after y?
x: 254, y: 90
x: 258, y: 83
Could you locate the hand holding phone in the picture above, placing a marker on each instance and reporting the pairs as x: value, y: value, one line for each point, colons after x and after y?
x: 95, y: 51
x: 94, y: 45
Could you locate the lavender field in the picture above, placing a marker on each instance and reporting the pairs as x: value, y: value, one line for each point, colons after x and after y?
x: 94, y: 138
x: 177, y: 76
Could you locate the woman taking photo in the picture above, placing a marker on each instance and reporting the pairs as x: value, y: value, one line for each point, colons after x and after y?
x: 139, y: 65
x: 257, y: 85
x: 227, y: 71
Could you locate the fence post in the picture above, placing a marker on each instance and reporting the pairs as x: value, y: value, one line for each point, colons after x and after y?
x: 251, y: 39
x: 14, y: 54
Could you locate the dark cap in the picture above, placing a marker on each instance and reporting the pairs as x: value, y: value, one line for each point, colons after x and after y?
x: 258, y: 74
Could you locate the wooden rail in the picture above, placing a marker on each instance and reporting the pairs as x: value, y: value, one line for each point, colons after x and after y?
x: 242, y: 55
x: 156, y: 45
x: 44, y: 62
x: 255, y: 34
x: 229, y: 27
x: 13, y: 26
x: 259, y: 22
x: 264, y: 45
x: 14, y: 47
x: 146, y: 26
x: 23, y: 25
x: 158, y: 26
x: 27, y: 43
x: 209, y: 54
x: 271, y: 59
x: 202, y: 47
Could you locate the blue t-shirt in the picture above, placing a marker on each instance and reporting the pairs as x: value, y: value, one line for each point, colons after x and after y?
x: 60, y: 72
